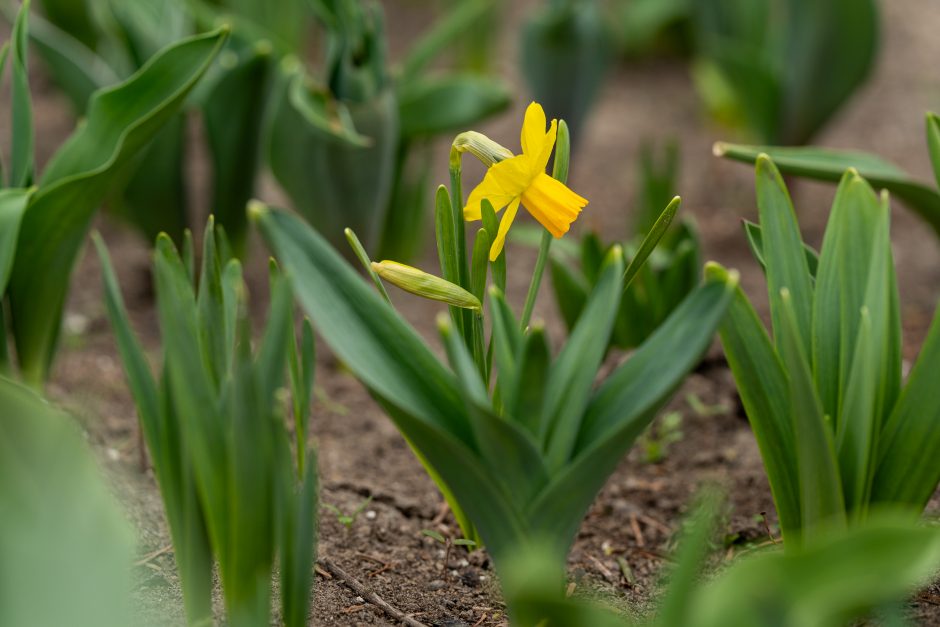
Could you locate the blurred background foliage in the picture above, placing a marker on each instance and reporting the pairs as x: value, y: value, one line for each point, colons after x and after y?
x: 345, y: 135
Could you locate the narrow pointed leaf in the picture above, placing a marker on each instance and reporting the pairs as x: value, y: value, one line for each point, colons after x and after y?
x: 912, y: 434
x: 763, y: 387
x: 841, y: 282
x: 21, y: 158
x: 755, y: 239
x: 821, y: 500
x: 651, y: 240
x: 783, y: 251
x: 571, y: 377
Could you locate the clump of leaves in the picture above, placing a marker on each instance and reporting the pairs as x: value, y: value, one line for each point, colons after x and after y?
x: 838, y: 428
x: 214, y: 422
x: 44, y: 217
x: 778, y: 69
x: 348, y: 140
x: 519, y: 440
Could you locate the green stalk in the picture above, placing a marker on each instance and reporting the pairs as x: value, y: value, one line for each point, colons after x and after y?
x: 559, y: 172
x: 460, y: 239
x: 544, y: 246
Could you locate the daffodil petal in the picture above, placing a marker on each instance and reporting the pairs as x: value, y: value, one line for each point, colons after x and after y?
x: 503, y: 182
x: 504, y: 225
x: 540, y: 161
x: 533, y: 131
x: 553, y: 204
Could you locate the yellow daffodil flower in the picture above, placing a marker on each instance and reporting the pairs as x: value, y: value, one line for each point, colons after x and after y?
x: 522, y: 179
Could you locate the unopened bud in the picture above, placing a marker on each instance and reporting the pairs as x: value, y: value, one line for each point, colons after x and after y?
x: 425, y: 285
x: 480, y: 146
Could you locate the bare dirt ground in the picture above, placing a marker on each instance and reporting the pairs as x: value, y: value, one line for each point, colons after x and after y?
x: 361, y: 454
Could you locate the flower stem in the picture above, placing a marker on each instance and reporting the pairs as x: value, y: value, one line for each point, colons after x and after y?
x: 559, y: 172
x: 536, y: 282
x: 463, y: 268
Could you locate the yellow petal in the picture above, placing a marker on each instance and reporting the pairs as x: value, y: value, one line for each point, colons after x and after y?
x: 540, y: 161
x: 533, y: 130
x: 503, y: 182
x: 553, y: 204
x: 504, y: 225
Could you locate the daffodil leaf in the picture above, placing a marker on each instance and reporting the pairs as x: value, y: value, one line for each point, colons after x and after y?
x: 165, y: 444
x: 233, y: 112
x: 650, y: 241
x: 121, y: 121
x: 841, y: 291
x: 912, y: 434
x: 442, y: 35
x: 69, y: 535
x: 821, y: 497
x: 77, y: 70
x: 525, y: 395
x: 21, y: 157
x: 571, y: 377
x: 824, y: 164
x: 762, y: 384
x: 431, y: 106
x: 510, y: 452
x: 785, y: 262
x: 387, y: 354
x: 625, y: 404
x: 755, y: 240
x: 933, y: 143
x: 571, y: 291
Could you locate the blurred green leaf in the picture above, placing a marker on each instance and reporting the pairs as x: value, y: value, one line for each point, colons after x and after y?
x: 61, y: 532
x: 121, y: 121
x: 233, y: 114
x: 431, y: 106
x: 566, y: 50
x: 22, y: 163
x: 76, y: 69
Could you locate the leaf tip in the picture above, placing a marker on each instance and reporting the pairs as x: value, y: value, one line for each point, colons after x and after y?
x: 256, y: 209
x: 444, y: 325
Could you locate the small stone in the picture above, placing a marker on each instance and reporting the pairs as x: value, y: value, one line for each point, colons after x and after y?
x: 437, y: 584
x: 371, y: 514
x: 360, y: 600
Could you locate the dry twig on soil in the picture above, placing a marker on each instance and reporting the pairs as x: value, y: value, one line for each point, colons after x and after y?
x: 356, y: 586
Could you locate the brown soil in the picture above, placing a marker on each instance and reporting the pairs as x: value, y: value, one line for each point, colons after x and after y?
x: 362, y: 455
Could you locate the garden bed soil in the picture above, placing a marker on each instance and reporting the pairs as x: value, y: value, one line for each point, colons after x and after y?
x: 360, y: 453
